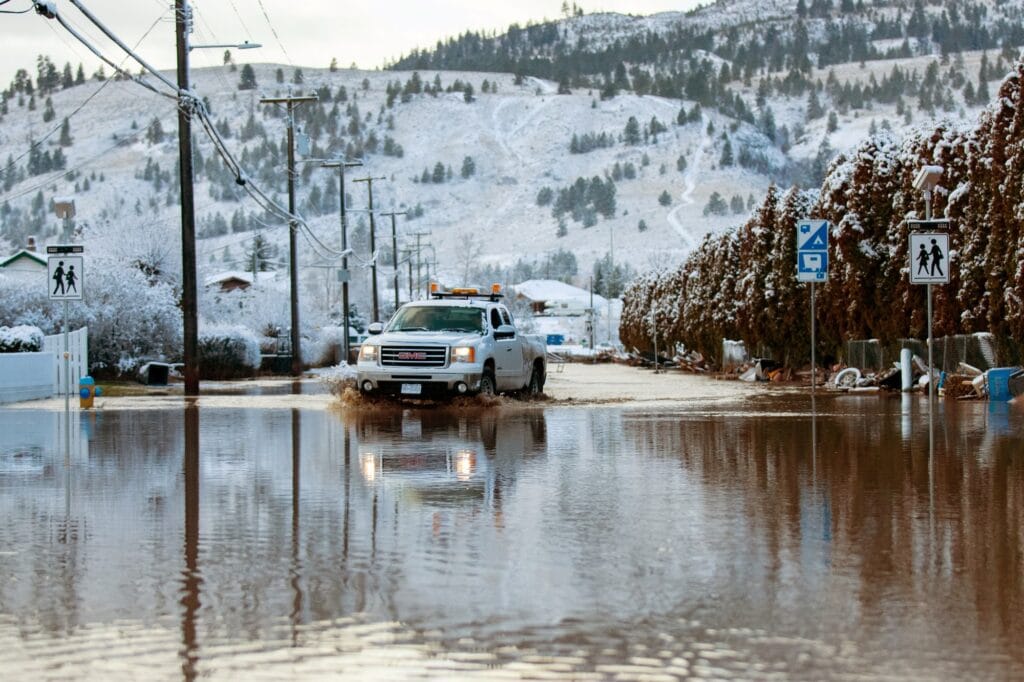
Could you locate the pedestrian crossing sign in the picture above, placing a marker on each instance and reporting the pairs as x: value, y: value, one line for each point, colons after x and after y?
x: 929, y: 258
x: 64, y: 281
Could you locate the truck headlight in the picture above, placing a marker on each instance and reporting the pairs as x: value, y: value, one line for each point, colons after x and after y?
x: 464, y: 354
x: 368, y: 353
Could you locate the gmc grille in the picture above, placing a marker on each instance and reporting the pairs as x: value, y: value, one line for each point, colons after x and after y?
x: 413, y: 356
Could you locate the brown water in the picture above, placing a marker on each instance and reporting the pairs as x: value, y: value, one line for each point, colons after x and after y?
x: 760, y: 542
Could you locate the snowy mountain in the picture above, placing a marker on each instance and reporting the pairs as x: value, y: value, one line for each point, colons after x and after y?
x: 599, y: 134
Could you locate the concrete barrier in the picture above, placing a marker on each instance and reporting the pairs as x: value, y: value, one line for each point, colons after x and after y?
x: 26, y: 376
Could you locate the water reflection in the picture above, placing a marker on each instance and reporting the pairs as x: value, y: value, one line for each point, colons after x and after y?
x: 191, y: 580
x: 802, y: 539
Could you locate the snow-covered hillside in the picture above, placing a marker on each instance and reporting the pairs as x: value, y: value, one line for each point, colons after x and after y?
x: 675, y: 177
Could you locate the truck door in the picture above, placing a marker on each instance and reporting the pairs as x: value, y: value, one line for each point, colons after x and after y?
x: 508, y: 355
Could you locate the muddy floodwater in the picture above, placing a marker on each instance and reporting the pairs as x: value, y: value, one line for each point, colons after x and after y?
x: 765, y: 538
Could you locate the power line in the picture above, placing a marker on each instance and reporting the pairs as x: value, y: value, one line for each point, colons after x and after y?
x: 88, y: 99
x: 65, y: 171
x: 120, y: 43
x: 276, y: 37
x: 9, y: 11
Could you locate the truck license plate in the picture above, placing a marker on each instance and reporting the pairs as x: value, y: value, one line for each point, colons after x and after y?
x: 412, y: 389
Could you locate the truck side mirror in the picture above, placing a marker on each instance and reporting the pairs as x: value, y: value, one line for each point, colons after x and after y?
x: 505, y: 331
x: 375, y: 328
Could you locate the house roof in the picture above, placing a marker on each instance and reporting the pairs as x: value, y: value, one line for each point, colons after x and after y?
x: 553, y: 290
x: 222, y: 277
x: 30, y: 255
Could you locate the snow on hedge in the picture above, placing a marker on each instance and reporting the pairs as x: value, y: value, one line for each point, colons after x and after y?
x: 129, y: 318
x: 22, y: 338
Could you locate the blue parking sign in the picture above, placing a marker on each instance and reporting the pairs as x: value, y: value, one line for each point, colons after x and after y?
x: 812, y: 250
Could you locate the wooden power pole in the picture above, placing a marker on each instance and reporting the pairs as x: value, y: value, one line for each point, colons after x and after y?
x: 394, y: 249
x: 373, y: 245
x: 293, y: 268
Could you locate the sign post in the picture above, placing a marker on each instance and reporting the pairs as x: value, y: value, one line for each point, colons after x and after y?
x: 65, y: 267
x: 812, y: 266
x: 929, y: 264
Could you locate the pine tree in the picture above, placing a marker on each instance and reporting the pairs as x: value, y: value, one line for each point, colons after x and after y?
x: 468, y: 167
x: 247, y: 80
x: 65, y: 133
x: 814, y: 108
x: 726, y: 159
x: 631, y: 133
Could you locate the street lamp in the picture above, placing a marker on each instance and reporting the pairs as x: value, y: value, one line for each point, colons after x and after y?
x: 237, y: 46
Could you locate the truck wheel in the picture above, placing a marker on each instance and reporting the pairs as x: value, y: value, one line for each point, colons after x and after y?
x: 536, y: 385
x: 487, y: 384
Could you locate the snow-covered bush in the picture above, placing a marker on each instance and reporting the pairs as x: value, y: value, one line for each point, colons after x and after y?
x: 319, y: 351
x: 21, y: 339
x: 228, y: 352
x: 128, y: 318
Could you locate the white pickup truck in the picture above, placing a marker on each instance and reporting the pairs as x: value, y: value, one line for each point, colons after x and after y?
x: 458, y: 342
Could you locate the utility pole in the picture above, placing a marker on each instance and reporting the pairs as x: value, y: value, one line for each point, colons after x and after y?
x: 419, y: 261
x: 394, y: 249
x: 373, y: 245
x: 341, y: 165
x: 293, y: 270
x: 408, y: 258
x: 190, y: 323
x: 611, y: 274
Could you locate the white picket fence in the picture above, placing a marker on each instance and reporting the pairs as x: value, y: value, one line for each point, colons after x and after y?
x: 78, y: 360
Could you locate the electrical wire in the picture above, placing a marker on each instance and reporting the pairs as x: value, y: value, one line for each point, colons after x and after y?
x: 274, y: 31
x: 117, y: 41
x: 240, y: 19
x: 64, y: 171
x: 195, y: 105
x: 106, y: 60
x: 10, y: 11
x: 52, y: 131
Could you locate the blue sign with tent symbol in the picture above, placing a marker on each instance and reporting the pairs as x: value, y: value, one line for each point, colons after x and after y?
x: 812, y: 250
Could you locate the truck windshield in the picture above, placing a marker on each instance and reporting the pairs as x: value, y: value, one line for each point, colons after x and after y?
x: 421, y: 318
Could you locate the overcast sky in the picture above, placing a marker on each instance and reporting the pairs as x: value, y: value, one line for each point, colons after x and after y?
x: 309, y: 32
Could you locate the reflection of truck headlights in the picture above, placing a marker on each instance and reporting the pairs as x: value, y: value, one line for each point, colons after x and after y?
x: 465, y: 461
x: 368, y: 353
x: 463, y: 354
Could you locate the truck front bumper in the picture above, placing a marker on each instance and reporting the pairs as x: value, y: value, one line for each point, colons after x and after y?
x: 412, y: 384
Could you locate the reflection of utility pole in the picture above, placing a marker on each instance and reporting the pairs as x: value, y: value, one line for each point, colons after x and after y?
x: 394, y: 250
x: 293, y: 269
x: 373, y: 245
x: 341, y: 165
x: 419, y: 260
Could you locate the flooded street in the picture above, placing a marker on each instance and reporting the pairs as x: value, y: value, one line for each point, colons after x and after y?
x: 761, y: 539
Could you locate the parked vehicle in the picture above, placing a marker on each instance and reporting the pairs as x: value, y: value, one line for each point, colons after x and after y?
x: 458, y: 342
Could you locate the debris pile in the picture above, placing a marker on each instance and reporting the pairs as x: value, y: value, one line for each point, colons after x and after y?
x: 966, y: 383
